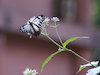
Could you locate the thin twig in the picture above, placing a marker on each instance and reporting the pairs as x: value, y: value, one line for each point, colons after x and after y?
x: 54, y: 42
x: 77, y: 55
x: 58, y: 34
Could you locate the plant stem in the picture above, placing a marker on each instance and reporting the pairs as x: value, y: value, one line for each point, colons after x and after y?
x: 54, y: 41
x: 67, y: 49
x: 58, y: 34
x: 46, y: 34
x: 77, y: 55
x: 70, y: 51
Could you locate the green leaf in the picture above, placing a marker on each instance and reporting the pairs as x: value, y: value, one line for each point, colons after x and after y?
x: 81, y: 68
x: 70, y: 40
x: 49, y: 58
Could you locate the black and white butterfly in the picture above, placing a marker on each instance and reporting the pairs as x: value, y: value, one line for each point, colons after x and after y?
x: 33, y: 26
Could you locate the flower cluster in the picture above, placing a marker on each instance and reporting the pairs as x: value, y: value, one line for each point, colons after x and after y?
x: 45, y: 23
x: 55, y: 19
x: 93, y: 71
x: 43, y: 26
x: 94, y: 63
x: 30, y: 72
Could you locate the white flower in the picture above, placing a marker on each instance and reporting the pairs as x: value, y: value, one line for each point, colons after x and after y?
x: 43, y: 26
x: 55, y: 19
x: 94, y: 63
x: 30, y: 72
x: 93, y: 71
x: 46, y: 21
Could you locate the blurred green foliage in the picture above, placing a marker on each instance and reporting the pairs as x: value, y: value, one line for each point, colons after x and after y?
x: 97, y: 13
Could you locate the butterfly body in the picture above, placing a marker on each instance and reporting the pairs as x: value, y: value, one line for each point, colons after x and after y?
x: 33, y: 26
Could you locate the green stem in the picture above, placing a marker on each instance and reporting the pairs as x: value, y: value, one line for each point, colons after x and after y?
x: 46, y: 34
x: 67, y: 49
x: 77, y: 55
x: 58, y: 34
x: 54, y: 41
x: 70, y: 51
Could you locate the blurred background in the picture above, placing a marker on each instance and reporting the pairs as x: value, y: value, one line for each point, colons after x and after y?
x: 77, y: 18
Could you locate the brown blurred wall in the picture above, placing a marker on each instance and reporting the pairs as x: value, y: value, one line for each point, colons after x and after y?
x: 19, y: 51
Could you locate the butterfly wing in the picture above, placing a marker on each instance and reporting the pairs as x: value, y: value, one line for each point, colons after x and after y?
x: 37, y: 20
x: 26, y: 28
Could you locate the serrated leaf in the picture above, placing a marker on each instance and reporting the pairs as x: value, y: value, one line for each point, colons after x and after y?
x: 70, y: 40
x: 81, y: 68
x: 49, y: 58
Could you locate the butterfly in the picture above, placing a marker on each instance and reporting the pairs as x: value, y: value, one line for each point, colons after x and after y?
x: 33, y: 26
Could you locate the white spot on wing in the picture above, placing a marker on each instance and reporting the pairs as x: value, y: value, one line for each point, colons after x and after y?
x: 32, y: 19
x: 27, y: 27
x: 36, y: 28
